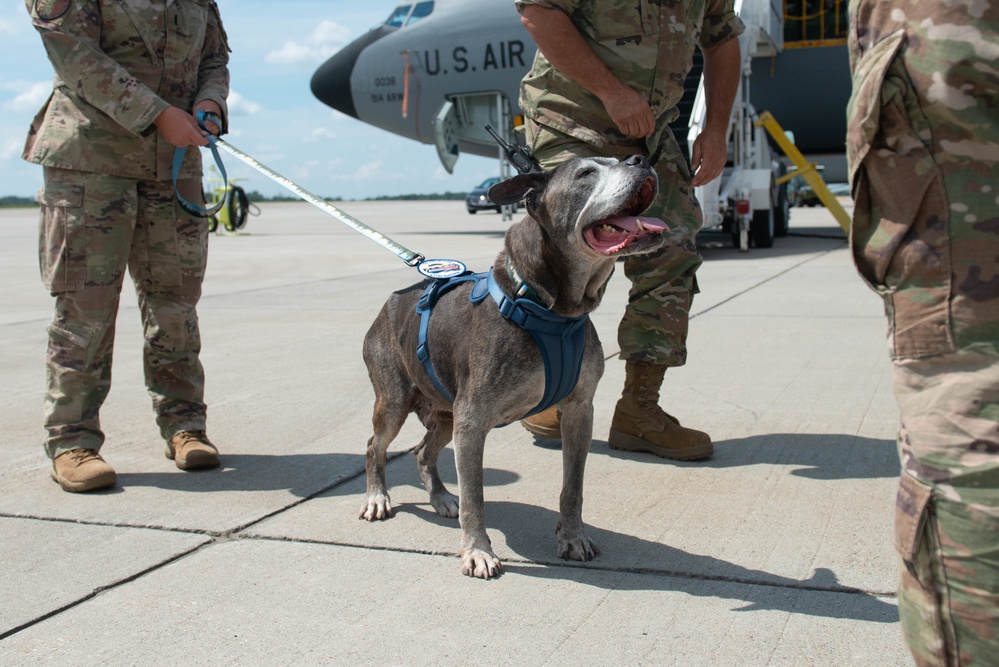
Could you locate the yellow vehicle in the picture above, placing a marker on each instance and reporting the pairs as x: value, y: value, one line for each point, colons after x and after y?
x: 237, y: 207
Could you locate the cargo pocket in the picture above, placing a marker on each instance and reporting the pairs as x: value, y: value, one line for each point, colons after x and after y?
x: 62, y: 237
x: 864, y: 107
x: 192, y: 232
x: 921, y: 602
x: 900, y: 237
x: 911, y: 504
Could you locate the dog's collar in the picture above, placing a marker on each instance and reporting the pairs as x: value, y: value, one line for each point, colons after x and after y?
x: 521, y: 290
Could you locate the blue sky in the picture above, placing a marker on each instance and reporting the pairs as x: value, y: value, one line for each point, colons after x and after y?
x: 277, y: 45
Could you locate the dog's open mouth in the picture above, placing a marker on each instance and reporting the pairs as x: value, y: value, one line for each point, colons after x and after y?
x: 615, y: 233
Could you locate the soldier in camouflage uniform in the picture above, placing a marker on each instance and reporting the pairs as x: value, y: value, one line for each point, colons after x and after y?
x: 923, y: 144
x: 128, y: 76
x: 606, y: 82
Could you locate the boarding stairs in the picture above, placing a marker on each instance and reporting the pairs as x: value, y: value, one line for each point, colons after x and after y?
x: 749, y: 199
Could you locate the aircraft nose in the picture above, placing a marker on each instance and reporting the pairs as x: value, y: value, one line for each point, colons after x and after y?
x: 331, y: 82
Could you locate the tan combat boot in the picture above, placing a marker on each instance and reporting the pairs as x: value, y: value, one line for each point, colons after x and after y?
x: 191, y: 450
x: 546, y: 424
x: 82, y: 470
x: 640, y: 425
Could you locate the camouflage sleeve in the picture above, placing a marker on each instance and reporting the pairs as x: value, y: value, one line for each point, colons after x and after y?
x: 721, y: 23
x: 567, y: 6
x: 72, y: 41
x: 213, y: 73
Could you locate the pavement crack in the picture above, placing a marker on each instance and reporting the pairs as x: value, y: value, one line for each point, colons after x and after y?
x: 100, y: 590
x: 680, y: 574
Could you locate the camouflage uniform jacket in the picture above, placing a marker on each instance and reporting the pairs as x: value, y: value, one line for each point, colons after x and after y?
x: 647, y: 44
x: 119, y: 64
x: 923, y: 147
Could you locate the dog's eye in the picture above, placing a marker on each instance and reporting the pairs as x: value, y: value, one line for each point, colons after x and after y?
x: 589, y: 171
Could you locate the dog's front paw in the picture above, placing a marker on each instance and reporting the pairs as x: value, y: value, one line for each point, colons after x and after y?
x: 479, y: 563
x: 376, y: 507
x: 578, y: 548
x: 446, y: 504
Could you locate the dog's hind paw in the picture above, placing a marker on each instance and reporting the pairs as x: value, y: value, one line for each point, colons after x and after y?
x: 580, y: 548
x: 446, y: 504
x: 481, y: 564
x: 376, y: 507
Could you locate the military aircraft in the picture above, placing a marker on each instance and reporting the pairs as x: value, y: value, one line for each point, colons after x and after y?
x: 438, y: 71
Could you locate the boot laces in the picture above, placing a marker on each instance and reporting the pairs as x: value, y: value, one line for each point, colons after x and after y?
x: 649, y: 399
x: 187, y: 437
x: 81, y: 456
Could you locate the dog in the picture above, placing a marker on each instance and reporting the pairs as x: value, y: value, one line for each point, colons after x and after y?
x: 581, y: 217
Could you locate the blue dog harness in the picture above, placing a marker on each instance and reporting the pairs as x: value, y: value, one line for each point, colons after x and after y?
x: 562, y: 340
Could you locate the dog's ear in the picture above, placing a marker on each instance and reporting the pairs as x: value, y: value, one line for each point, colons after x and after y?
x: 512, y: 190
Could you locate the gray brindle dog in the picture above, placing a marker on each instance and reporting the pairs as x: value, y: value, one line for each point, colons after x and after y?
x: 581, y: 217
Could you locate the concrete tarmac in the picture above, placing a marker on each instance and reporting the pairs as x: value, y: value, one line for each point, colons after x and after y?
x: 776, y: 551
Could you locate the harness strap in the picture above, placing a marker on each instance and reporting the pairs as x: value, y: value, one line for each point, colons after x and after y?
x: 561, y: 340
x: 424, y: 307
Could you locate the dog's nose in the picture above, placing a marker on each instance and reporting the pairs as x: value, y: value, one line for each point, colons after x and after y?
x: 636, y: 161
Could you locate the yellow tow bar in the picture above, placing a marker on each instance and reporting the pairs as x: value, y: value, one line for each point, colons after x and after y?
x: 805, y: 169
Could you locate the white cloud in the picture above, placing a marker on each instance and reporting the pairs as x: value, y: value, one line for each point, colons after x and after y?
x: 355, y: 174
x: 320, y: 133
x: 29, y: 97
x: 328, y: 38
x: 240, y: 106
x: 11, y: 148
x: 366, y: 171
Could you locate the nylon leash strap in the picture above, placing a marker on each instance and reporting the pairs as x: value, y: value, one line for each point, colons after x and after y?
x: 411, y: 258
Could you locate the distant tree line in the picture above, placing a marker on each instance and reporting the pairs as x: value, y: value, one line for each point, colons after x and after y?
x: 9, y: 202
x: 446, y: 196
x: 255, y: 196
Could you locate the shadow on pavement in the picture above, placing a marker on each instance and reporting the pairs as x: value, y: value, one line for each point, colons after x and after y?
x: 817, y: 455
x: 665, y: 568
x: 303, y: 475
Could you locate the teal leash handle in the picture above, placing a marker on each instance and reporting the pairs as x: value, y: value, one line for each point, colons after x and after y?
x: 178, y: 161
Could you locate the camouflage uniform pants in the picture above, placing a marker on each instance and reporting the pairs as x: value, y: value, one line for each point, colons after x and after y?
x: 924, y: 138
x: 656, y: 319
x: 93, y: 227
x: 947, y: 515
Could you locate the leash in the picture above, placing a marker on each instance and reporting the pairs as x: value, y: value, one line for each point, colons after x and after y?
x: 560, y: 340
x: 432, y: 268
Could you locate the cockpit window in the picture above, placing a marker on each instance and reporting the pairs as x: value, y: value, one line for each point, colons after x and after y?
x: 404, y: 15
x: 398, y: 17
x: 421, y: 10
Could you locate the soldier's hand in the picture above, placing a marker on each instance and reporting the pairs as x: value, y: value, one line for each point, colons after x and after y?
x: 630, y: 112
x: 707, y: 157
x: 179, y: 128
x: 209, y: 106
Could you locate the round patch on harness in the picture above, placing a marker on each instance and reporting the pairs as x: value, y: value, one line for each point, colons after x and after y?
x: 441, y: 268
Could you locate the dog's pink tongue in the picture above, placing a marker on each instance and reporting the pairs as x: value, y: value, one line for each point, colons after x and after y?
x: 616, y: 233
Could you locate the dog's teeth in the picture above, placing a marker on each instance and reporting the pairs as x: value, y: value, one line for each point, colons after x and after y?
x: 638, y: 225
